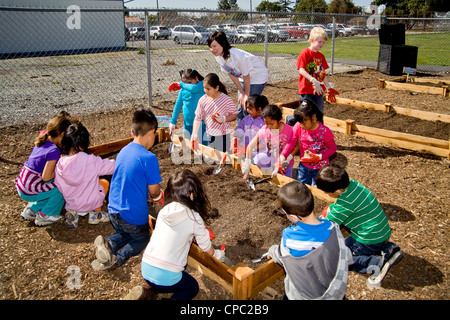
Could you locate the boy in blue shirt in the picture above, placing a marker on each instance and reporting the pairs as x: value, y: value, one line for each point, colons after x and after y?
x: 312, y: 251
x: 136, y: 177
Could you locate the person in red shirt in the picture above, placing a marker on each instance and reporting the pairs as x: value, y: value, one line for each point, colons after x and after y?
x: 312, y: 80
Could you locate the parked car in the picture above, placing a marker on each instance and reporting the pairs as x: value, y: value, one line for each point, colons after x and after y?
x: 271, y: 36
x: 260, y: 35
x: 232, y: 35
x: 298, y: 32
x: 343, y: 30
x: 244, y: 36
x: 159, y: 32
x: 137, y: 33
x: 276, y: 33
x: 327, y: 30
x: 228, y: 26
x: 190, y: 34
x: 127, y: 34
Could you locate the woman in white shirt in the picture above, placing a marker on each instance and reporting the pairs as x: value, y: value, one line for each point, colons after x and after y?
x: 247, y: 71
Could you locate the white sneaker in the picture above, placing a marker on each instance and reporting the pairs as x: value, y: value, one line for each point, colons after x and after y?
x: 393, y: 260
x: 72, y: 219
x: 104, y: 216
x: 94, y: 217
x: 44, y: 220
x: 28, y: 214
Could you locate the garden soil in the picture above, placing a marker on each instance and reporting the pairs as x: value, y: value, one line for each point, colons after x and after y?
x: 54, y: 262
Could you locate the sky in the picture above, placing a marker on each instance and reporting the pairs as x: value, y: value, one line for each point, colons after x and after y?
x: 208, y: 4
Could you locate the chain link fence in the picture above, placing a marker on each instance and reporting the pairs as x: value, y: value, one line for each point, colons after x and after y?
x: 81, y: 59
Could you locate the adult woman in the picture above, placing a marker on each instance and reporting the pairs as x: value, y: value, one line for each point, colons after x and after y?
x: 248, y: 72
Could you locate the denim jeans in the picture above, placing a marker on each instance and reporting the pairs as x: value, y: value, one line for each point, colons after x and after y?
x: 307, y: 175
x: 186, y: 289
x: 367, y: 255
x: 49, y: 202
x: 202, y: 135
x: 129, y: 240
x: 254, y: 89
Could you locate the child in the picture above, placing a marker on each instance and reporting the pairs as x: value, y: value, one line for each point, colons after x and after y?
x: 312, y: 251
x: 191, y: 86
x: 357, y: 209
x: 250, y: 125
x: 35, y: 182
x: 135, y: 177
x: 315, y: 141
x: 271, y: 140
x: 217, y: 110
x: 77, y: 177
x: 178, y: 223
x: 312, y: 79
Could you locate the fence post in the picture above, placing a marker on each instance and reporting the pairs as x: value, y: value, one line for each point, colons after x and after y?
x: 266, y: 50
x: 147, y: 53
x: 332, y: 44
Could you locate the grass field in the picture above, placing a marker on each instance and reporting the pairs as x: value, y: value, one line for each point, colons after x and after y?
x: 433, y: 48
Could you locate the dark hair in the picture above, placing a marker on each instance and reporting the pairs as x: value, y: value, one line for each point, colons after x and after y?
x: 296, y: 198
x: 190, y: 74
x: 307, y: 108
x: 179, y: 188
x: 57, y: 125
x: 143, y: 121
x: 75, y: 138
x: 272, y: 111
x: 213, y: 80
x: 331, y: 178
x: 256, y: 100
x: 222, y: 40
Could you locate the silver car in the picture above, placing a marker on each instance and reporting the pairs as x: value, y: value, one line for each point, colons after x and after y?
x: 190, y: 34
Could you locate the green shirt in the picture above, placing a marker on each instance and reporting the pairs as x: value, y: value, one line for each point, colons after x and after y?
x: 358, y: 209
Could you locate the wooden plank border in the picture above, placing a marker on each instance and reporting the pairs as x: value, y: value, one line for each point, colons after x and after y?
x: 395, y: 85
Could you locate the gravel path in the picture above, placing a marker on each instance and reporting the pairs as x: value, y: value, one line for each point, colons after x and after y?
x: 32, y: 90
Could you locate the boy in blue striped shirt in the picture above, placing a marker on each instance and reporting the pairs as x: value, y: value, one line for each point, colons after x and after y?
x: 312, y: 251
x: 358, y: 209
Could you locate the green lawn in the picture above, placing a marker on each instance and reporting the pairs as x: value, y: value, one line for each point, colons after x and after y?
x: 433, y: 48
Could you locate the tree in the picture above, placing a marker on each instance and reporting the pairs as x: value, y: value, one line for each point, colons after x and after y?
x: 310, y: 6
x: 342, y: 6
x: 286, y: 4
x: 414, y: 7
x: 269, y: 6
x: 224, y: 5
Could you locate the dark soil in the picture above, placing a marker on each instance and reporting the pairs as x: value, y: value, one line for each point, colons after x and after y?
x: 413, y: 188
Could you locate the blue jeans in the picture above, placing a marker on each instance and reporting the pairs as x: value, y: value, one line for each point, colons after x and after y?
x: 129, y: 240
x: 49, y: 202
x: 306, y: 175
x: 202, y: 135
x: 186, y: 289
x: 366, y: 255
x: 254, y: 89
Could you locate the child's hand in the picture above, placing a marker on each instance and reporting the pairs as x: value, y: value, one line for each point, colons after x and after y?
x: 331, y: 95
x: 219, y: 254
x: 174, y: 86
x: 195, y: 142
x: 310, y: 157
x: 246, y: 167
x: 237, y: 148
x: 159, y: 199
x: 285, y: 162
x: 172, y: 128
x: 317, y: 87
x: 218, y: 118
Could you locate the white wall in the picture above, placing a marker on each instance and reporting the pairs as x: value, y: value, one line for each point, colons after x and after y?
x: 49, y: 32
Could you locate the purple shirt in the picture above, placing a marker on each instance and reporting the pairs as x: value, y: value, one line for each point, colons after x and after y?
x: 248, y: 128
x: 40, y: 155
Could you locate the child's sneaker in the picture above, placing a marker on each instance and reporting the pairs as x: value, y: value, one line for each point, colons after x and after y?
x: 102, y: 250
x: 72, y: 219
x: 94, y: 217
x: 107, y: 266
x: 144, y: 292
x: 104, y: 216
x: 44, y: 220
x: 28, y: 214
x: 393, y: 260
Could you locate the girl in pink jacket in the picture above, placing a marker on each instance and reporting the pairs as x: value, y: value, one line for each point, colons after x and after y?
x: 77, y: 177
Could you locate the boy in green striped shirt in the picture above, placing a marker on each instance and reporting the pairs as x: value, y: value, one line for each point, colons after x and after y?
x: 357, y: 209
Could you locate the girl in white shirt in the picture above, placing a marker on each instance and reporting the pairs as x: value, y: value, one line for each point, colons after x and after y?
x: 248, y: 72
x: 178, y: 223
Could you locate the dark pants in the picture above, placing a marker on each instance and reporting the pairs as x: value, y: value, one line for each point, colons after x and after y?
x: 129, y: 240
x: 185, y: 289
